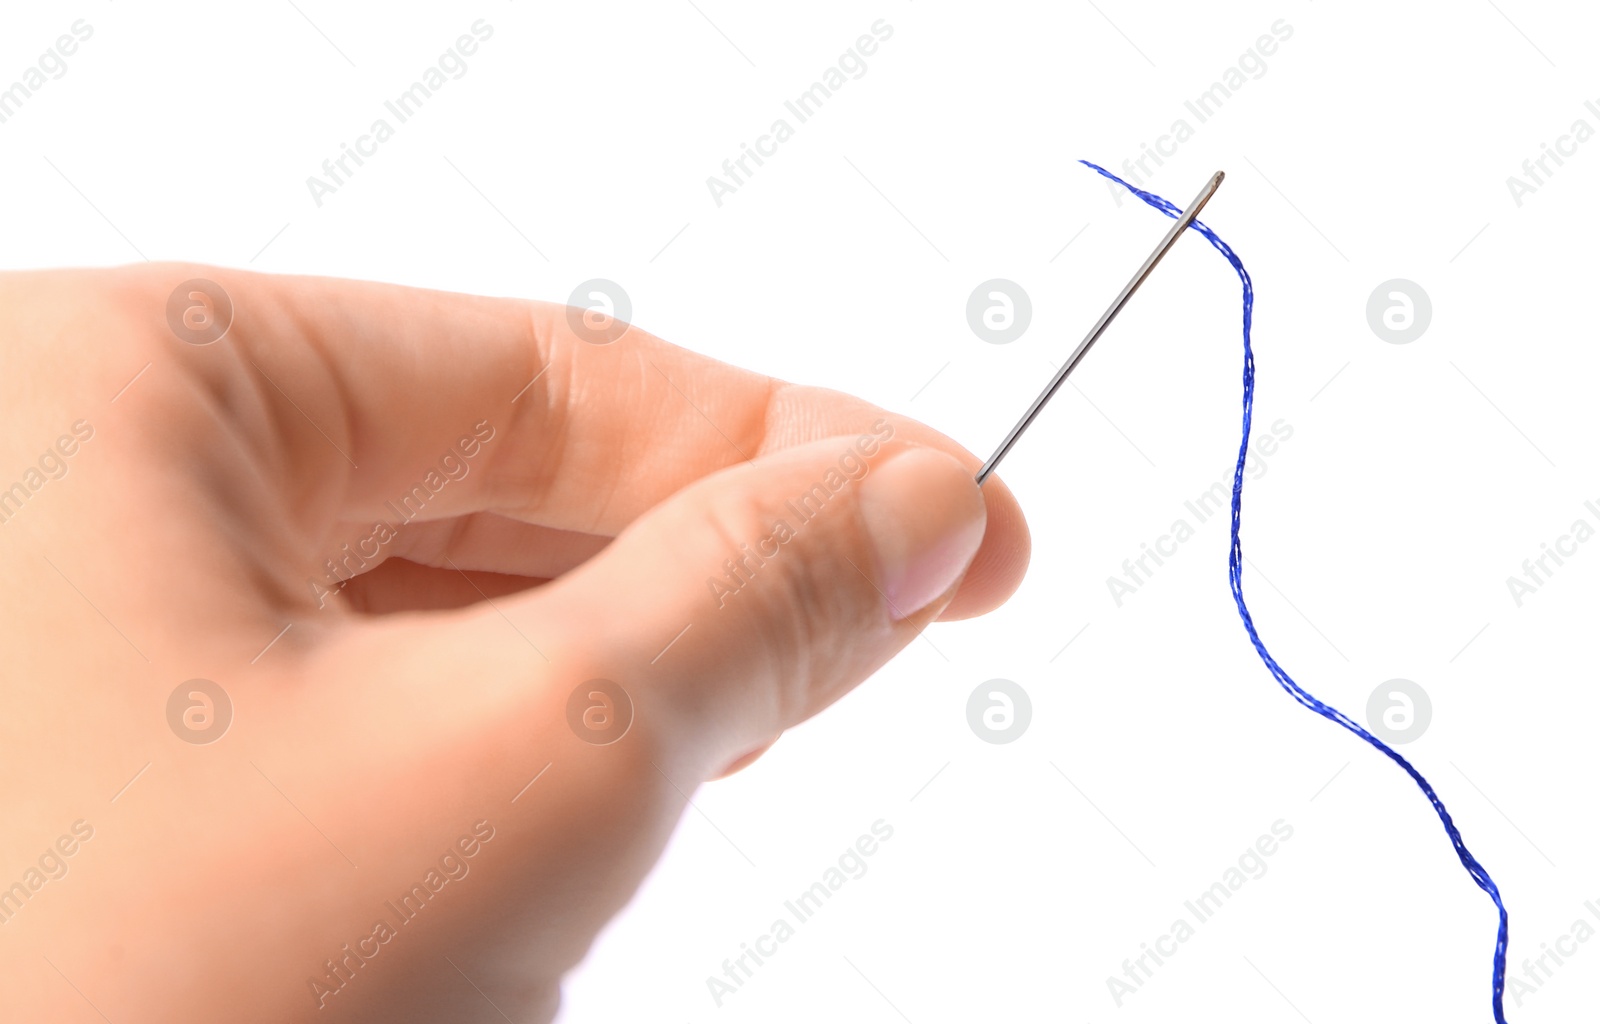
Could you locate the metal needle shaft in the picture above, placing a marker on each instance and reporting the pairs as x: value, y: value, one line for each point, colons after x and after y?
x: 1178, y: 228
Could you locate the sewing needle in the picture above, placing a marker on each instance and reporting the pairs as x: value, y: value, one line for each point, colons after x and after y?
x: 1178, y: 228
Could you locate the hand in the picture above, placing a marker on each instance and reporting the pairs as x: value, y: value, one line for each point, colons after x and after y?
x: 401, y: 566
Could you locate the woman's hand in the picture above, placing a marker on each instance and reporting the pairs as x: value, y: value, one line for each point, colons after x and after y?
x: 364, y: 657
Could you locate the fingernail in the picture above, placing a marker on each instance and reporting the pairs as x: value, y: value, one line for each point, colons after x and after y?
x: 924, y: 516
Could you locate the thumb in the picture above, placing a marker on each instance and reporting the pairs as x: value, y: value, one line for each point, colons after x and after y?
x: 752, y: 599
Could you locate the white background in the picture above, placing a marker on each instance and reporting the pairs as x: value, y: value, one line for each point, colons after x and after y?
x: 1376, y: 145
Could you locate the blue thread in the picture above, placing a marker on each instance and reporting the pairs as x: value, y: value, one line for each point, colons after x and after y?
x: 1235, y: 573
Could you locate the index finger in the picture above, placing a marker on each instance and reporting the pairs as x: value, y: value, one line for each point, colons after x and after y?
x: 587, y: 425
